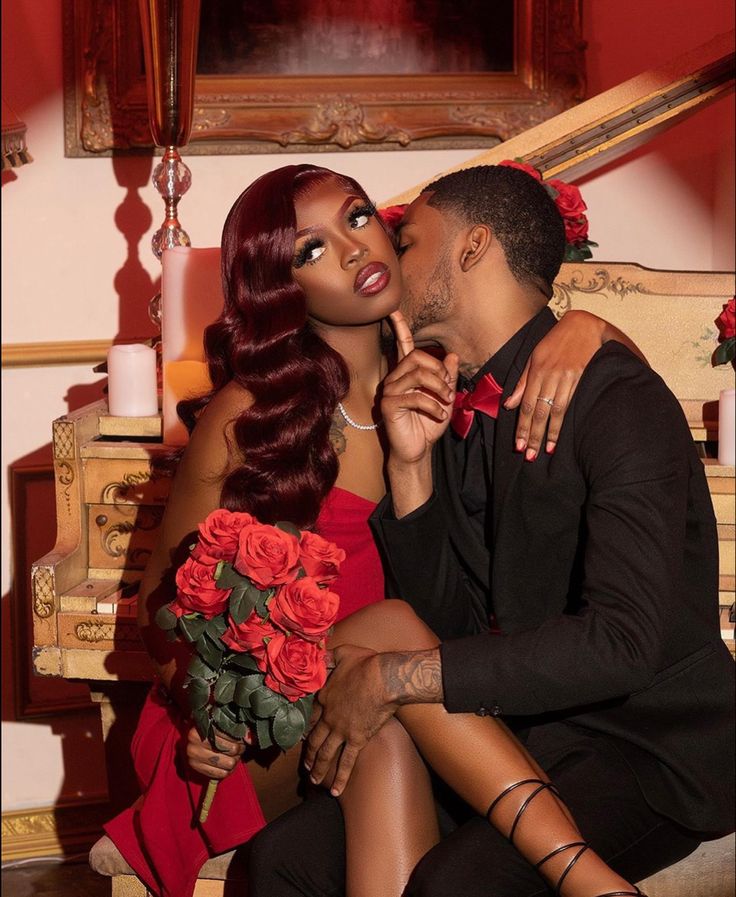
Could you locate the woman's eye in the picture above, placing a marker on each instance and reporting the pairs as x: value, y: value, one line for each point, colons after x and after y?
x: 310, y: 252
x: 361, y: 215
x: 400, y: 250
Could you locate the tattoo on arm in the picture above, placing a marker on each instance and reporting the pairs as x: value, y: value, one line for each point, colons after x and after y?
x: 337, y: 433
x: 414, y: 677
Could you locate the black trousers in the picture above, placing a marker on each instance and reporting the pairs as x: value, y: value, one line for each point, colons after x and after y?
x: 302, y: 854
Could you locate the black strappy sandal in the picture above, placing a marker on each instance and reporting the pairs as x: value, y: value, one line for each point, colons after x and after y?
x: 582, y: 845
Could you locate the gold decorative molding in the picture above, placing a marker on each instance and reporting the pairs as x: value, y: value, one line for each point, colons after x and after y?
x: 42, y: 585
x: 52, y: 831
x: 32, y: 355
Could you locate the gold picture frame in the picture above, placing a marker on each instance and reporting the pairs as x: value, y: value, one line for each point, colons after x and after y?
x: 105, y: 99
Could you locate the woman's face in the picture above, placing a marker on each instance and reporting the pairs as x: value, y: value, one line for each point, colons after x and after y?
x: 344, y: 260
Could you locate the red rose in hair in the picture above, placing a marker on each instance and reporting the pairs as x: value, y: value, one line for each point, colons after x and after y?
x: 268, y: 555
x: 197, y: 590
x: 522, y: 166
x: 576, y: 231
x: 248, y: 636
x: 305, y: 609
x: 320, y: 558
x: 392, y: 215
x: 568, y: 201
x: 295, y: 667
x: 218, y: 534
x: 726, y: 321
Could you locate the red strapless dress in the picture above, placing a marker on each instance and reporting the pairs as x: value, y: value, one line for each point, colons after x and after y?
x: 159, y: 835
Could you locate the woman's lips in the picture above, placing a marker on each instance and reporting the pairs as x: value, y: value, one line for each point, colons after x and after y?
x: 372, y: 279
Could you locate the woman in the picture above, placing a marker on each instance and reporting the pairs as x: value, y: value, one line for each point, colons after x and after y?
x: 310, y: 273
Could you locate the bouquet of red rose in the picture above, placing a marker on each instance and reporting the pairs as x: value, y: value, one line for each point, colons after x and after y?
x: 254, y: 602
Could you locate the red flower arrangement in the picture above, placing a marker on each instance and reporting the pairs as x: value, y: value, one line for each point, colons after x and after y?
x: 726, y: 323
x: 254, y: 602
x: 570, y: 205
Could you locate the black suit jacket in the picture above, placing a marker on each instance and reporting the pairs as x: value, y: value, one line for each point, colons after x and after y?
x: 602, y: 564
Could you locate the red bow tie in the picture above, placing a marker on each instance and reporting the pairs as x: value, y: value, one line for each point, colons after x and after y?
x: 486, y: 397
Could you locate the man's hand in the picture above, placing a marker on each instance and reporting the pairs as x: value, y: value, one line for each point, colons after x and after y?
x: 213, y: 762
x: 418, y: 397
x: 349, y: 710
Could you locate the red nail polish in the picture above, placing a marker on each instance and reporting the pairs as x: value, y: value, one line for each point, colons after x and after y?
x: 531, y: 455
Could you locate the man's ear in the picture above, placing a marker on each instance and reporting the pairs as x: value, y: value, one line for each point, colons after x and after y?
x: 474, y: 246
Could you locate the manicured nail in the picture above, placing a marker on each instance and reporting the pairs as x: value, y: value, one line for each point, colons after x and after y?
x: 307, y: 766
x: 530, y: 454
x: 520, y: 445
x: 550, y: 448
x: 335, y: 792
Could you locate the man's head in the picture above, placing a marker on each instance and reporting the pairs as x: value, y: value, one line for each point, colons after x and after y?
x: 490, y: 219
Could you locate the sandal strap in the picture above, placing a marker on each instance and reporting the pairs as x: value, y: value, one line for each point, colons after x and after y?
x: 543, y: 786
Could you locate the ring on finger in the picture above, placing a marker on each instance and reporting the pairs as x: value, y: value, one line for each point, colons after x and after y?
x: 546, y: 401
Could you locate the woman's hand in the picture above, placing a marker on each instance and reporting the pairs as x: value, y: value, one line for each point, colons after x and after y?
x: 552, y: 374
x: 213, y: 762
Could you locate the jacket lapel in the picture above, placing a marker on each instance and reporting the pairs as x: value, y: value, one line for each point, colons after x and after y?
x: 506, y: 462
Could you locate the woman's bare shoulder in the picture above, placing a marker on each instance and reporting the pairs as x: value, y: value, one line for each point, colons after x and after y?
x: 212, y: 445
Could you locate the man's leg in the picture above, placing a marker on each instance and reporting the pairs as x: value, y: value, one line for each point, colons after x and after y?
x: 603, y: 796
x: 301, y: 853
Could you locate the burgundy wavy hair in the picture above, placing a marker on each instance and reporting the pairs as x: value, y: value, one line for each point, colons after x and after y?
x: 263, y: 341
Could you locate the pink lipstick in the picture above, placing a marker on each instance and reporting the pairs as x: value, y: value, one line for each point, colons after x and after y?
x: 372, y: 279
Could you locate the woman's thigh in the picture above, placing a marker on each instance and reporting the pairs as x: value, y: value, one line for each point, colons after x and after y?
x: 389, y: 625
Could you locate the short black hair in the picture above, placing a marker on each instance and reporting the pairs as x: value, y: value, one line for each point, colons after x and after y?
x: 519, y: 211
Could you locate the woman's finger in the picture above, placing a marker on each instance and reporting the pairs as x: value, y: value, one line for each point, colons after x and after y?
x: 557, y: 415
x: 404, y: 339
x: 528, y: 389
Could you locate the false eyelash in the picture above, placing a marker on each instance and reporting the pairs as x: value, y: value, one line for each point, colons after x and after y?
x: 302, y: 257
x: 368, y: 208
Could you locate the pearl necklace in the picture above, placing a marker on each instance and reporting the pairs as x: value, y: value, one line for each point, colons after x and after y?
x: 351, y: 423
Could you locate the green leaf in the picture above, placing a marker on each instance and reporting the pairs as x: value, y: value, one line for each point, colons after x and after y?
x: 209, y: 652
x: 198, y: 669
x: 226, y: 723
x: 242, y: 602
x: 725, y: 352
x: 263, y: 733
x: 192, y: 626
x: 287, y: 527
x: 288, y: 726
x: 265, y: 702
x: 166, y: 619
x: 245, y: 662
x: 305, y: 706
x: 245, y: 687
x: 216, y: 627
x: 201, y: 720
x: 229, y: 578
x: 225, y: 688
x: 262, y: 603
x: 198, y: 693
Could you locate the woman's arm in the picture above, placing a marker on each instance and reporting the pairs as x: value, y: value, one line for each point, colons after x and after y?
x: 195, y: 492
x: 553, y: 372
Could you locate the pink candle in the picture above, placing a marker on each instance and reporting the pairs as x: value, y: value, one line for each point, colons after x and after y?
x: 131, y: 381
x: 727, y: 427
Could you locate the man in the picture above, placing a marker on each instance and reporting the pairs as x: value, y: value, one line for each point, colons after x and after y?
x: 576, y: 596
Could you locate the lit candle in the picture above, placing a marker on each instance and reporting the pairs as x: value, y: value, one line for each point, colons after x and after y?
x: 131, y: 381
x: 727, y: 427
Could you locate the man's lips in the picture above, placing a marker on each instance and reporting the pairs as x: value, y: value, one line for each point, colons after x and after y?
x: 372, y: 279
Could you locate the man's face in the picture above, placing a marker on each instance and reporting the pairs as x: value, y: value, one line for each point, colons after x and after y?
x: 425, y: 254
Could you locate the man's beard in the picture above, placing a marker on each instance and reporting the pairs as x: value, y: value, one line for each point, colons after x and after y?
x: 434, y: 305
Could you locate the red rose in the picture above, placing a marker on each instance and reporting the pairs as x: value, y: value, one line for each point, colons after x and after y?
x: 268, y: 555
x: 197, y: 590
x: 576, y: 230
x: 302, y: 607
x: 249, y: 636
x: 320, y: 558
x: 295, y: 667
x: 392, y: 215
x: 218, y: 534
x: 568, y: 201
x: 522, y: 166
x: 726, y: 321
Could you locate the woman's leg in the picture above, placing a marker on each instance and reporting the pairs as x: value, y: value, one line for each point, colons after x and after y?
x: 390, y: 818
x: 388, y: 808
x: 483, y: 762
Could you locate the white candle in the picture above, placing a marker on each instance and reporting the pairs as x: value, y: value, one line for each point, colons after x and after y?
x: 131, y: 381
x: 727, y: 427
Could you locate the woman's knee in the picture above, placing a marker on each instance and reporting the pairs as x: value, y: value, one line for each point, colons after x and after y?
x: 390, y: 625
